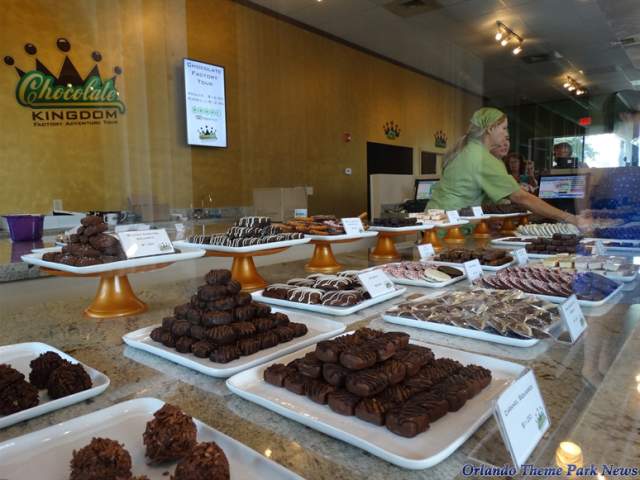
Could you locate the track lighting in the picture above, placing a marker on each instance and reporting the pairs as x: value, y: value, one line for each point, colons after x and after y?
x: 505, y: 35
x: 518, y: 49
x: 574, y: 86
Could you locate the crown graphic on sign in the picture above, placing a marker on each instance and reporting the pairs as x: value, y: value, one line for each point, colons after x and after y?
x: 391, y: 130
x: 41, y: 88
x: 207, y: 133
x: 440, y: 139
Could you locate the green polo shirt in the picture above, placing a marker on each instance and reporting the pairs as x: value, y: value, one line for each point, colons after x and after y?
x: 472, y: 178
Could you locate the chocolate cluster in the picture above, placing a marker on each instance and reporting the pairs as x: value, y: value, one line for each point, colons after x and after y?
x: 102, y: 459
x: 90, y: 245
x: 60, y: 377
x: 381, y: 379
x: 341, y: 290
x: 222, y: 323
x: 485, y: 256
x: 206, y: 461
x: 170, y: 435
x: 314, y: 225
x: 246, y: 232
x: 558, y: 243
x: 16, y: 394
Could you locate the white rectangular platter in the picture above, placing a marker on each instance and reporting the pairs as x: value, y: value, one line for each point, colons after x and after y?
x: 634, y: 248
x: 508, y: 215
x: 447, y: 224
x: 36, y: 259
x: 19, y: 356
x: 424, y: 283
x: 45, y: 454
x: 419, y: 227
x: 583, y: 303
x: 486, y: 268
x: 249, y: 249
x: 337, y: 311
x: 462, y: 332
x: 504, y: 241
x: 476, y: 219
x: 343, y: 237
x: 319, y: 329
x: 423, y: 451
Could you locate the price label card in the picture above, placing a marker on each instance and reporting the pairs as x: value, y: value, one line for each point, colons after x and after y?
x: 180, y: 231
x: 376, y: 282
x: 300, y: 212
x: 599, y: 248
x: 521, y: 256
x: 573, y: 318
x: 426, y: 251
x: 477, y: 211
x: 453, y: 216
x: 145, y: 243
x: 473, y: 269
x: 134, y: 227
x: 522, y: 417
x: 352, y: 226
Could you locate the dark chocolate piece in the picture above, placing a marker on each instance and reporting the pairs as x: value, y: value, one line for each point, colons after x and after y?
x: 67, y: 380
x: 318, y: 391
x: 276, y: 373
x: 221, y: 334
x: 103, y: 459
x: 408, y: 420
x: 225, y: 353
x: 218, y: 277
x: 170, y: 435
x: 42, y: 368
x: 206, y: 461
x: 343, y: 402
x: 366, y: 383
x: 211, y: 319
x: 372, y: 410
x: 358, y: 358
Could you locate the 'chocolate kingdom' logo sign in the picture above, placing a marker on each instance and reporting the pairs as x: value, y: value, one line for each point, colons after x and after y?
x: 90, y: 98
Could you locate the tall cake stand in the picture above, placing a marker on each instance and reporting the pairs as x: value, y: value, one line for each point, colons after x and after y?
x: 323, y: 260
x: 385, y: 249
x: 481, y: 229
x: 453, y: 233
x: 509, y: 222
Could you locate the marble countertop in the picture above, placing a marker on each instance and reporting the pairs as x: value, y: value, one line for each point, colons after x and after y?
x: 591, y: 389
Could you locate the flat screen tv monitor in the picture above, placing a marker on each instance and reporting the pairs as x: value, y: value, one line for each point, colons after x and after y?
x: 424, y: 188
x: 205, y: 104
x: 558, y: 187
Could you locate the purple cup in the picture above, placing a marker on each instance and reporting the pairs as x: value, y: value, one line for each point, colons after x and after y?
x: 25, y: 227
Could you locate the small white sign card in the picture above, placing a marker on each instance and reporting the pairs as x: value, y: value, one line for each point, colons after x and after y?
x: 522, y: 257
x: 453, y: 216
x: 353, y: 226
x: 145, y: 243
x: 522, y: 417
x: 376, y: 282
x: 426, y: 251
x: 180, y: 231
x: 300, y: 212
x: 473, y: 269
x: 477, y: 211
x: 599, y: 248
x: 573, y: 318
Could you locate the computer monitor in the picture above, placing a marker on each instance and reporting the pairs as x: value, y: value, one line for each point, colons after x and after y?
x: 562, y: 187
x: 424, y: 188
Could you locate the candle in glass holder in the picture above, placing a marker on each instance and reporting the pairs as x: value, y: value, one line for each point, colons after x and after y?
x: 568, y: 453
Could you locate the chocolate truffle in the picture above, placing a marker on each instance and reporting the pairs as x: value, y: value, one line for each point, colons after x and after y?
x: 67, y: 380
x: 102, y: 459
x: 206, y: 461
x: 170, y: 435
x: 218, y: 277
x: 9, y: 375
x: 42, y: 367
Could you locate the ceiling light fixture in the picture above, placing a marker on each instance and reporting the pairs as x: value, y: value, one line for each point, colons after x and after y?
x: 574, y: 86
x: 505, y: 35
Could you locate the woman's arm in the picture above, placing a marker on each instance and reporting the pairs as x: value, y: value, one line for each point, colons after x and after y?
x: 541, y: 207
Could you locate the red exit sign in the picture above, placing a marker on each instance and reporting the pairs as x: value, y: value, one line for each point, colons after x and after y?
x: 584, y: 121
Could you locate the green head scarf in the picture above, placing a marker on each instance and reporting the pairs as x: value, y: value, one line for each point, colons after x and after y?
x: 485, y: 117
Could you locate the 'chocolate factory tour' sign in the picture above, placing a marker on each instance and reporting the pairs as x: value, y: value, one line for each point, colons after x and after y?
x: 69, y: 98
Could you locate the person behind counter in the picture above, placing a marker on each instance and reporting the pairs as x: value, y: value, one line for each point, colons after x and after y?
x: 521, y: 170
x: 471, y: 175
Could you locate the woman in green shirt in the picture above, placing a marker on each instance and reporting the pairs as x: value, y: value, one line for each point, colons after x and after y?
x: 472, y: 176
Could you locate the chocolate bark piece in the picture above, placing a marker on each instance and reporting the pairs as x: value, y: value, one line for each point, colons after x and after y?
x: 243, y: 314
x: 233, y: 287
x: 372, y: 410
x: 206, y: 461
x: 435, y: 406
x: 218, y: 277
x: 242, y: 299
x: 224, y: 353
x: 180, y: 328
x: 248, y: 346
x: 67, y: 380
x: 17, y: 396
x: 224, y: 303
x: 366, y: 383
x: 103, y: 459
x: 358, y: 358
x: 285, y: 334
x: 42, y: 367
x: 280, y: 319
x: 267, y: 339
x: 296, y: 383
x: 276, y: 373
x: 221, y: 335
x: 394, y: 370
x: 169, y: 436
x: 212, y: 318
x: 243, y: 329
x: 310, y: 366
x: 318, y: 391
x: 183, y: 344
x: 408, y: 420
x: 299, y: 329
x: 343, y: 402
x: 202, y: 348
